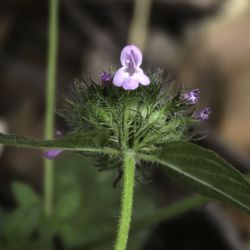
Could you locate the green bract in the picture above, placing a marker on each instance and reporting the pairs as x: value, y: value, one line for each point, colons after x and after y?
x: 142, y: 119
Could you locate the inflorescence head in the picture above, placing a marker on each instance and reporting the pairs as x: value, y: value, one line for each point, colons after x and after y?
x: 139, y: 117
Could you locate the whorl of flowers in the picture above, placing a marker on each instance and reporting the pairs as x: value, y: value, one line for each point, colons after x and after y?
x: 139, y: 117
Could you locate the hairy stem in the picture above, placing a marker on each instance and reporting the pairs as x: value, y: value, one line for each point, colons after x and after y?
x: 50, y: 102
x: 127, y: 200
x: 144, y: 223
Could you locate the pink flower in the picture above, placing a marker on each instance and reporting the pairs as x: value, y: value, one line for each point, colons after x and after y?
x: 203, y: 114
x: 53, y: 153
x: 130, y: 75
x: 191, y: 97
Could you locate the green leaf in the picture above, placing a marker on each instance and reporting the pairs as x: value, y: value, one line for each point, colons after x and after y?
x: 25, y: 195
x: 20, y: 224
x: 27, y: 213
x: 92, y: 141
x: 68, y: 199
x: 205, y: 172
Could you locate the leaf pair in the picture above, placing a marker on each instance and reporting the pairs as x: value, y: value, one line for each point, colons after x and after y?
x: 200, y: 169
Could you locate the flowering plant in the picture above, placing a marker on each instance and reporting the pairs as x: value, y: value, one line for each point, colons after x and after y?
x: 130, y: 118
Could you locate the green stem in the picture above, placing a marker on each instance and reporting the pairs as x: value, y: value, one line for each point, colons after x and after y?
x: 127, y: 200
x: 50, y: 101
x: 144, y: 223
x: 170, y: 211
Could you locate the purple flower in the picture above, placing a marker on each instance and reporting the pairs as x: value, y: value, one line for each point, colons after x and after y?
x: 106, y: 78
x: 59, y: 134
x: 203, y: 114
x: 191, y: 97
x: 130, y: 74
x: 53, y: 153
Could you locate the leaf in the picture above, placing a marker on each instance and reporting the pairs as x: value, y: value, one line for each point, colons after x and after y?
x: 92, y: 141
x: 21, y: 223
x: 25, y: 195
x: 205, y: 172
x: 27, y: 213
x: 68, y: 199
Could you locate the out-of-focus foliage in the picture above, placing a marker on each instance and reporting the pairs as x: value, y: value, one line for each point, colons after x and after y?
x: 85, y: 207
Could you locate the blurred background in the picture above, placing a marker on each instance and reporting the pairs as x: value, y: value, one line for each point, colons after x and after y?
x: 202, y: 43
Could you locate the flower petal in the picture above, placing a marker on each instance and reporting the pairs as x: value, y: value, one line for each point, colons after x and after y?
x: 106, y: 77
x: 130, y: 83
x: 131, y: 52
x: 204, y: 114
x: 53, y: 153
x: 141, y: 77
x: 119, y: 77
x: 191, y: 97
x: 59, y: 133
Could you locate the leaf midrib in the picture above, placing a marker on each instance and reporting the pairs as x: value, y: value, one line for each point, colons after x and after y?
x: 154, y: 159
